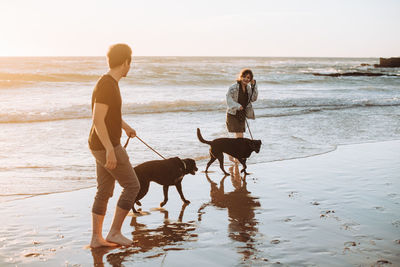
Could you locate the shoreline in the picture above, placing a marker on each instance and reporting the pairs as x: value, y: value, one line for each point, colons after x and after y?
x: 203, y: 162
x: 338, y: 208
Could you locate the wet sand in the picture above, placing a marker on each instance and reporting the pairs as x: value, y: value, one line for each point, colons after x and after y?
x: 337, y: 209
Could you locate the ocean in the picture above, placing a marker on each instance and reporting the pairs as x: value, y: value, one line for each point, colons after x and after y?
x: 45, y: 112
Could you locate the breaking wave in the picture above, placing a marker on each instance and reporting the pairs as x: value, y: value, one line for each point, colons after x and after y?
x: 264, y: 108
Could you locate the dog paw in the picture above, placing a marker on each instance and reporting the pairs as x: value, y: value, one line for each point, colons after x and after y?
x: 163, y: 203
x: 135, y: 211
x: 138, y: 203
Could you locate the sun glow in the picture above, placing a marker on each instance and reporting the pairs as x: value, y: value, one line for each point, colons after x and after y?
x: 215, y: 28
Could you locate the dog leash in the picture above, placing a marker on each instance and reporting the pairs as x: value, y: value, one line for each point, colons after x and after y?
x: 127, y: 141
x: 247, y: 123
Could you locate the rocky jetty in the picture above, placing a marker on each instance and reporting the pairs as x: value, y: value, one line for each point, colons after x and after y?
x: 392, y: 62
x: 352, y: 74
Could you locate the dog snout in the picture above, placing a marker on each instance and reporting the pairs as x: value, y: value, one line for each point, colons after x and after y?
x: 195, y: 169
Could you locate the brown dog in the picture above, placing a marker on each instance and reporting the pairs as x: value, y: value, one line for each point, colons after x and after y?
x: 240, y: 148
x: 166, y: 173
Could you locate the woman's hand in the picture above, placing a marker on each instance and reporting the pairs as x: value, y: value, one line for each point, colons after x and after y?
x: 253, y: 82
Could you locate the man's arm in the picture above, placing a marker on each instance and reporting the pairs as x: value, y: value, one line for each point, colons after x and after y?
x: 99, y: 114
x: 128, y: 130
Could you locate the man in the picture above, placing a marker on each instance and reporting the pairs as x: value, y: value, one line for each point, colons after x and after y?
x: 112, y: 161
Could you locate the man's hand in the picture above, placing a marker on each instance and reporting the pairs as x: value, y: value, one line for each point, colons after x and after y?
x: 130, y: 132
x: 253, y: 82
x: 111, y: 160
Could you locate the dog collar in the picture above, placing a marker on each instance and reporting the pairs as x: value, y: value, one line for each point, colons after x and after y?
x: 184, y: 166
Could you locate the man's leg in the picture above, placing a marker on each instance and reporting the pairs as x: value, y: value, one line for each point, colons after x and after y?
x: 126, y: 177
x: 97, y: 232
x: 105, y: 188
x: 115, y: 234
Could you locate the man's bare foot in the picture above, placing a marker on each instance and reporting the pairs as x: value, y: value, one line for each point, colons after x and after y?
x: 100, y: 242
x: 119, y: 239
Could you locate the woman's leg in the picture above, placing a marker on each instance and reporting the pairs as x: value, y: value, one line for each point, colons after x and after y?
x: 239, y: 135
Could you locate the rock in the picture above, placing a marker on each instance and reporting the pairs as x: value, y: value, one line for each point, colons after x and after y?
x: 32, y: 255
x: 383, y: 262
x: 392, y: 62
x: 365, y: 64
x: 356, y: 73
x: 350, y: 244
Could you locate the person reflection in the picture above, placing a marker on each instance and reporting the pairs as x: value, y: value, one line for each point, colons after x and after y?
x: 156, y: 241
x: 98, y: 254
x: 240, y: 205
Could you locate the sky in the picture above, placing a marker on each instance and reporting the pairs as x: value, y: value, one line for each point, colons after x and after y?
x: 284, y: 28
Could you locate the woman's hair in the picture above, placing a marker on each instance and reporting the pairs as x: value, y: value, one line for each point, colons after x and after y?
x: 118, y: 54
x: 243, y: 73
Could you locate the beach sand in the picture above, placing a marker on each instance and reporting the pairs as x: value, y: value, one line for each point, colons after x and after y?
x: 337, y: 209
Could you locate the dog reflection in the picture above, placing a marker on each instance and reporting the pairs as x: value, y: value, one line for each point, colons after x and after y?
x: 169, y: 233
x: 240, y: 205
x: 146, y: 239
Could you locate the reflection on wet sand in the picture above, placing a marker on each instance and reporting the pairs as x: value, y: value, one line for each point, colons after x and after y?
x: 168, y: 236
x: 174, y: 233
x: 240, y: 205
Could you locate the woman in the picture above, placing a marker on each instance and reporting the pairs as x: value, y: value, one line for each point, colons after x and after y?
x: 239, y: 98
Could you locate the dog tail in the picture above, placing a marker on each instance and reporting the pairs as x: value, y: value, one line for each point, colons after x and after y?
x: 201, y: 138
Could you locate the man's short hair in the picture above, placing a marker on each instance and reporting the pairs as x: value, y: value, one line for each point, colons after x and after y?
x: 118, y: 54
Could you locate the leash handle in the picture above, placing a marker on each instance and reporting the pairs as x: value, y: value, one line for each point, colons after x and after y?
x: 127, y: 141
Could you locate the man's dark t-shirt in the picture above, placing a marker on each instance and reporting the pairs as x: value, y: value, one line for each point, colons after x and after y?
x: 107, y: 92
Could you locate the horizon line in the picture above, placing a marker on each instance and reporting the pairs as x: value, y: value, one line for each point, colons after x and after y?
x: 49, y: 56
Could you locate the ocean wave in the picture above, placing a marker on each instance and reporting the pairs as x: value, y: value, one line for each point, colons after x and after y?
x: 263, y: 107
x: 84, y: 111
x: 11, y: 80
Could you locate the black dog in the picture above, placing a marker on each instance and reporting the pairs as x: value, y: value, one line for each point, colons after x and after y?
x: 240, y: 148
x: 166, y: 173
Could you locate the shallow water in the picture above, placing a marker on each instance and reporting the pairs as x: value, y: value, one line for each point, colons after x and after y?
x: 45, y: 112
